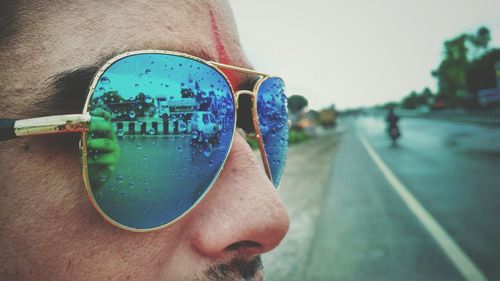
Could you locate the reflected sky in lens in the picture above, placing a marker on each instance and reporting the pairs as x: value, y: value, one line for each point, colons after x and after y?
x: 173, y: 118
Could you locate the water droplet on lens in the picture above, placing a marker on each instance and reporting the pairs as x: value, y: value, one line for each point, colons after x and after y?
x: 136, y: 85
x: 131, y: 114
x: 105, y: 80
x: 194, y: 134
x: 148, y: 71
x: 101, y: 89
x: 120, y: 179
x: 139, y: 146
x: 148, y: 99
x: 145, y: 157
x: 208, y: 150
x: 211, y: 163
x: 152, y: 131
x: 179, y: 147
x: 124, y: 193
x: 104, y: 178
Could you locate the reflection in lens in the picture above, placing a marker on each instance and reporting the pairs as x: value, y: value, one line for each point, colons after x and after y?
x: 273, y: 124
x: 172, y: 120
x: 103, y: 148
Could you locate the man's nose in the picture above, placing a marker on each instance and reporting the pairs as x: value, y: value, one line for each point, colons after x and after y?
x: 242, y: 215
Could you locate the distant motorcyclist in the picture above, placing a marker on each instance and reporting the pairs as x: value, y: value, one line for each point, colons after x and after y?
x: 393, y: 129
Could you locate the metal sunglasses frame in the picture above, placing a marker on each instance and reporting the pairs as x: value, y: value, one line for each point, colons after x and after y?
x: 71, y: 123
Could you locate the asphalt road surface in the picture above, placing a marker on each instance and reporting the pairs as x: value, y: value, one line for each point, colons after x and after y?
x: 428, y: 209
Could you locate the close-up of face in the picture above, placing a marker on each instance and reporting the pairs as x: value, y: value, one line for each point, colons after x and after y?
x: 50, y: 52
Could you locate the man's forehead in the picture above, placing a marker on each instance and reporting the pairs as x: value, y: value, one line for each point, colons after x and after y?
x: 81, y: 32
x: 57, y: 36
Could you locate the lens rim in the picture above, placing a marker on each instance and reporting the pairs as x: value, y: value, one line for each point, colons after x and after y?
x: 256, y: 123
x: 83, y: 139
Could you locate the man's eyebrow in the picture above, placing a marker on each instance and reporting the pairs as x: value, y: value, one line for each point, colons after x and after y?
x: 68, y: 91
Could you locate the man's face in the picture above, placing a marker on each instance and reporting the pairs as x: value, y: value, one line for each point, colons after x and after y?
x: 49, y: 231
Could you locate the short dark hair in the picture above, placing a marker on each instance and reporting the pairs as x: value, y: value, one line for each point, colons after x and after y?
x: 7, y: 16
x: 69, y: 91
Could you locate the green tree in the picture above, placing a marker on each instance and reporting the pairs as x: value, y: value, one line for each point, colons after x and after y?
x: 296, y: 103
x: 410, y: 101
x: 414, y: 99
x: 480, y: 42
x: 452, y: 71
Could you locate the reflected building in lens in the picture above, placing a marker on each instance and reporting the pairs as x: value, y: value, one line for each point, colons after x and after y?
x: 161, y: 116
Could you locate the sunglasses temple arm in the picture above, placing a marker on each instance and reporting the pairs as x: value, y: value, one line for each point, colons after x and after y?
x: 10, y: 128
x: 239, y: 69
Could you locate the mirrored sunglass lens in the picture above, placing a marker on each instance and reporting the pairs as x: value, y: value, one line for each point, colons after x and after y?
x: 160, y: 132
x: 273, y: 124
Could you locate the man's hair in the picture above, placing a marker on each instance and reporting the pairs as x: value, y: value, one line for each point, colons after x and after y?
x: 7, y: 16
x: 69, y: 91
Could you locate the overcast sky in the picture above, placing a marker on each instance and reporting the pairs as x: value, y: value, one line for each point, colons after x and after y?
x: 355, y: 53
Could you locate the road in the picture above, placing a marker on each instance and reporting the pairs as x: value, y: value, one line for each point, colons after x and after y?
x: 357, y: 226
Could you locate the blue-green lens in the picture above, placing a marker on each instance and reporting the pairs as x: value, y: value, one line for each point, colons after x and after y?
x: 161, y: 129
x: 273, y: 124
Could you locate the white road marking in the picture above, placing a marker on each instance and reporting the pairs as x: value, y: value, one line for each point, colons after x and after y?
x: 462, y: 262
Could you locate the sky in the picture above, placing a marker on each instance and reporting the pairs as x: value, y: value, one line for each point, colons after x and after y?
x: 356, y: 53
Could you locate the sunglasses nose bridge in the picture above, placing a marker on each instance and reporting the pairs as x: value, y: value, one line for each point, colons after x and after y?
x: 245, y: 92
x: 248, y: 93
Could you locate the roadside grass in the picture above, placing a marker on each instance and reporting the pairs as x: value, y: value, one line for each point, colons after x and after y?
x: 294, y: 137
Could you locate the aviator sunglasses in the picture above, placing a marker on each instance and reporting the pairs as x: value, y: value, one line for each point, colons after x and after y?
x: 156, y: 130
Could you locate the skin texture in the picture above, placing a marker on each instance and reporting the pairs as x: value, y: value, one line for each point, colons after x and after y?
x: 48, y: 229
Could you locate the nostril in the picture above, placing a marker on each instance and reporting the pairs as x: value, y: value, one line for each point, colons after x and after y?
x: 244, y: 246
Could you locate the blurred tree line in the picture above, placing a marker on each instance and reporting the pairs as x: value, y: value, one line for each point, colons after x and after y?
x: 467, y: 67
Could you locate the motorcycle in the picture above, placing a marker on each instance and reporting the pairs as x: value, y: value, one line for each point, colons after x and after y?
x: 394, y: 134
